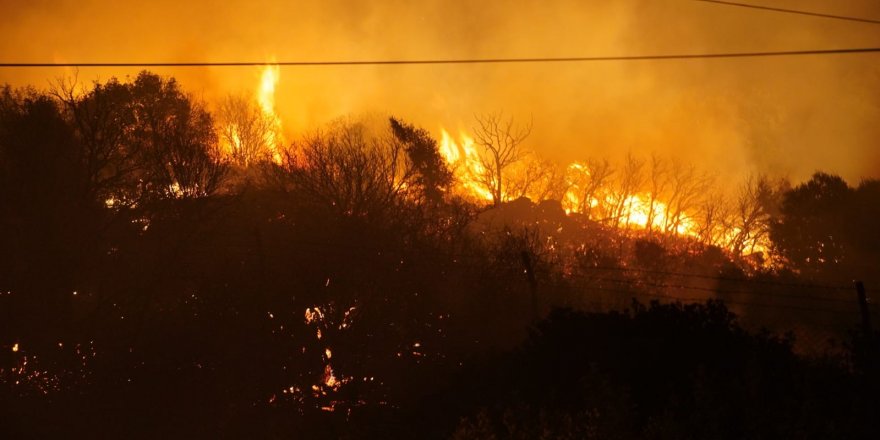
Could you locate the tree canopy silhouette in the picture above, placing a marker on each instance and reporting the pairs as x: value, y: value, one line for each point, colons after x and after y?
x: 434, y: 176
x: 827, y: 229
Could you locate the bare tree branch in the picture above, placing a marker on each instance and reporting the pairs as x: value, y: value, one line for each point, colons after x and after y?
x: 500, y: 140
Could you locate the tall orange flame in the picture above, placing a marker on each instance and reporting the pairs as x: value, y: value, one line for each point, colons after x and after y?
x: 464, y: 160
x: 637, y: 211
x: 266, y: 99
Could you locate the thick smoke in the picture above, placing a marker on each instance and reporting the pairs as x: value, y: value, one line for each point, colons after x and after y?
x: 786, y: 116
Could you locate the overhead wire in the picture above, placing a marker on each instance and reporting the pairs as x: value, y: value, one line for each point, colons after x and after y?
x: 722, y: 278
x: 464, y: 256
x: 435, y: 61
x: 695, y: 300
x: 791, y: 11
x: 640, y: 283
x: 461, y: 258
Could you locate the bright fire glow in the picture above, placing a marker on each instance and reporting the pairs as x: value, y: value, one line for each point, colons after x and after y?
x: 271, y: 142
x: 464, y: 160
x: 266, y: 99
x: 638, y: 211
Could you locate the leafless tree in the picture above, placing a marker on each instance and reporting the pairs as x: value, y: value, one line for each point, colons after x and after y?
x: 629, y: 183
x: 658, y: 180
x: 500, y: 141
x: 750, y: 220
x: 245, y: 131
x: 551, y: 183
x: 686, y: 186
x: 537, y: 179
x: 102, y: 118
x: 587, y: 180
x: 713, y: 218
x: 351, y: 171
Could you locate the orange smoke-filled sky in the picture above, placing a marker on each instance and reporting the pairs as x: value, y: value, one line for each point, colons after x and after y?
x: 785, y: 115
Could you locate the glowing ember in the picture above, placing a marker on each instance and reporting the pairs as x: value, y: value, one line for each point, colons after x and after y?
x: 329, y: 378
x: 330, y: 381
x: 175, y: 190
x: 313, y: 315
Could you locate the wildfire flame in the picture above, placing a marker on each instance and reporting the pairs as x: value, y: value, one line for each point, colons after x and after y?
x: 638, y: 211
x: 266, y: 99
x: 263, y: 101
x: 464, y: 160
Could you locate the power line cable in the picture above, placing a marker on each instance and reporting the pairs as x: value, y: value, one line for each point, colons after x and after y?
x: 458, y: 257
x: 720, y: 278
x: 457, y: 60
x: 634, y: 287
x: 792, y: 11
x: 639, y: 283
x: 347, y: 248
x: 701, y: 300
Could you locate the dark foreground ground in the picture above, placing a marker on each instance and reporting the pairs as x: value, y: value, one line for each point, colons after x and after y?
x: 661, y: 371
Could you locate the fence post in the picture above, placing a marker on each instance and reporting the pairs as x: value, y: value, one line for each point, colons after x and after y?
x: 863, y: 307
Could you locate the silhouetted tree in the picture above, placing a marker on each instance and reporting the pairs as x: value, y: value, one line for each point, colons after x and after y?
x: 865, y: 210
x: 143, y: 139
x: 588, y: 179
x: 351, y: 171
x: 662, y: 371
x: 630, y: 181
x: 749, y: 223
x: 658, y: 179
x: 39, y: 163
x: 712, y: 215
x: 686, y: 186
x: 245, y: 130
x: 537, y: 179
x: 102, y: 120
x: 176, y: 139
x: 815, y: 231
x: 433, y: 176
x: 500, y: 142
x: 44, y: 224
